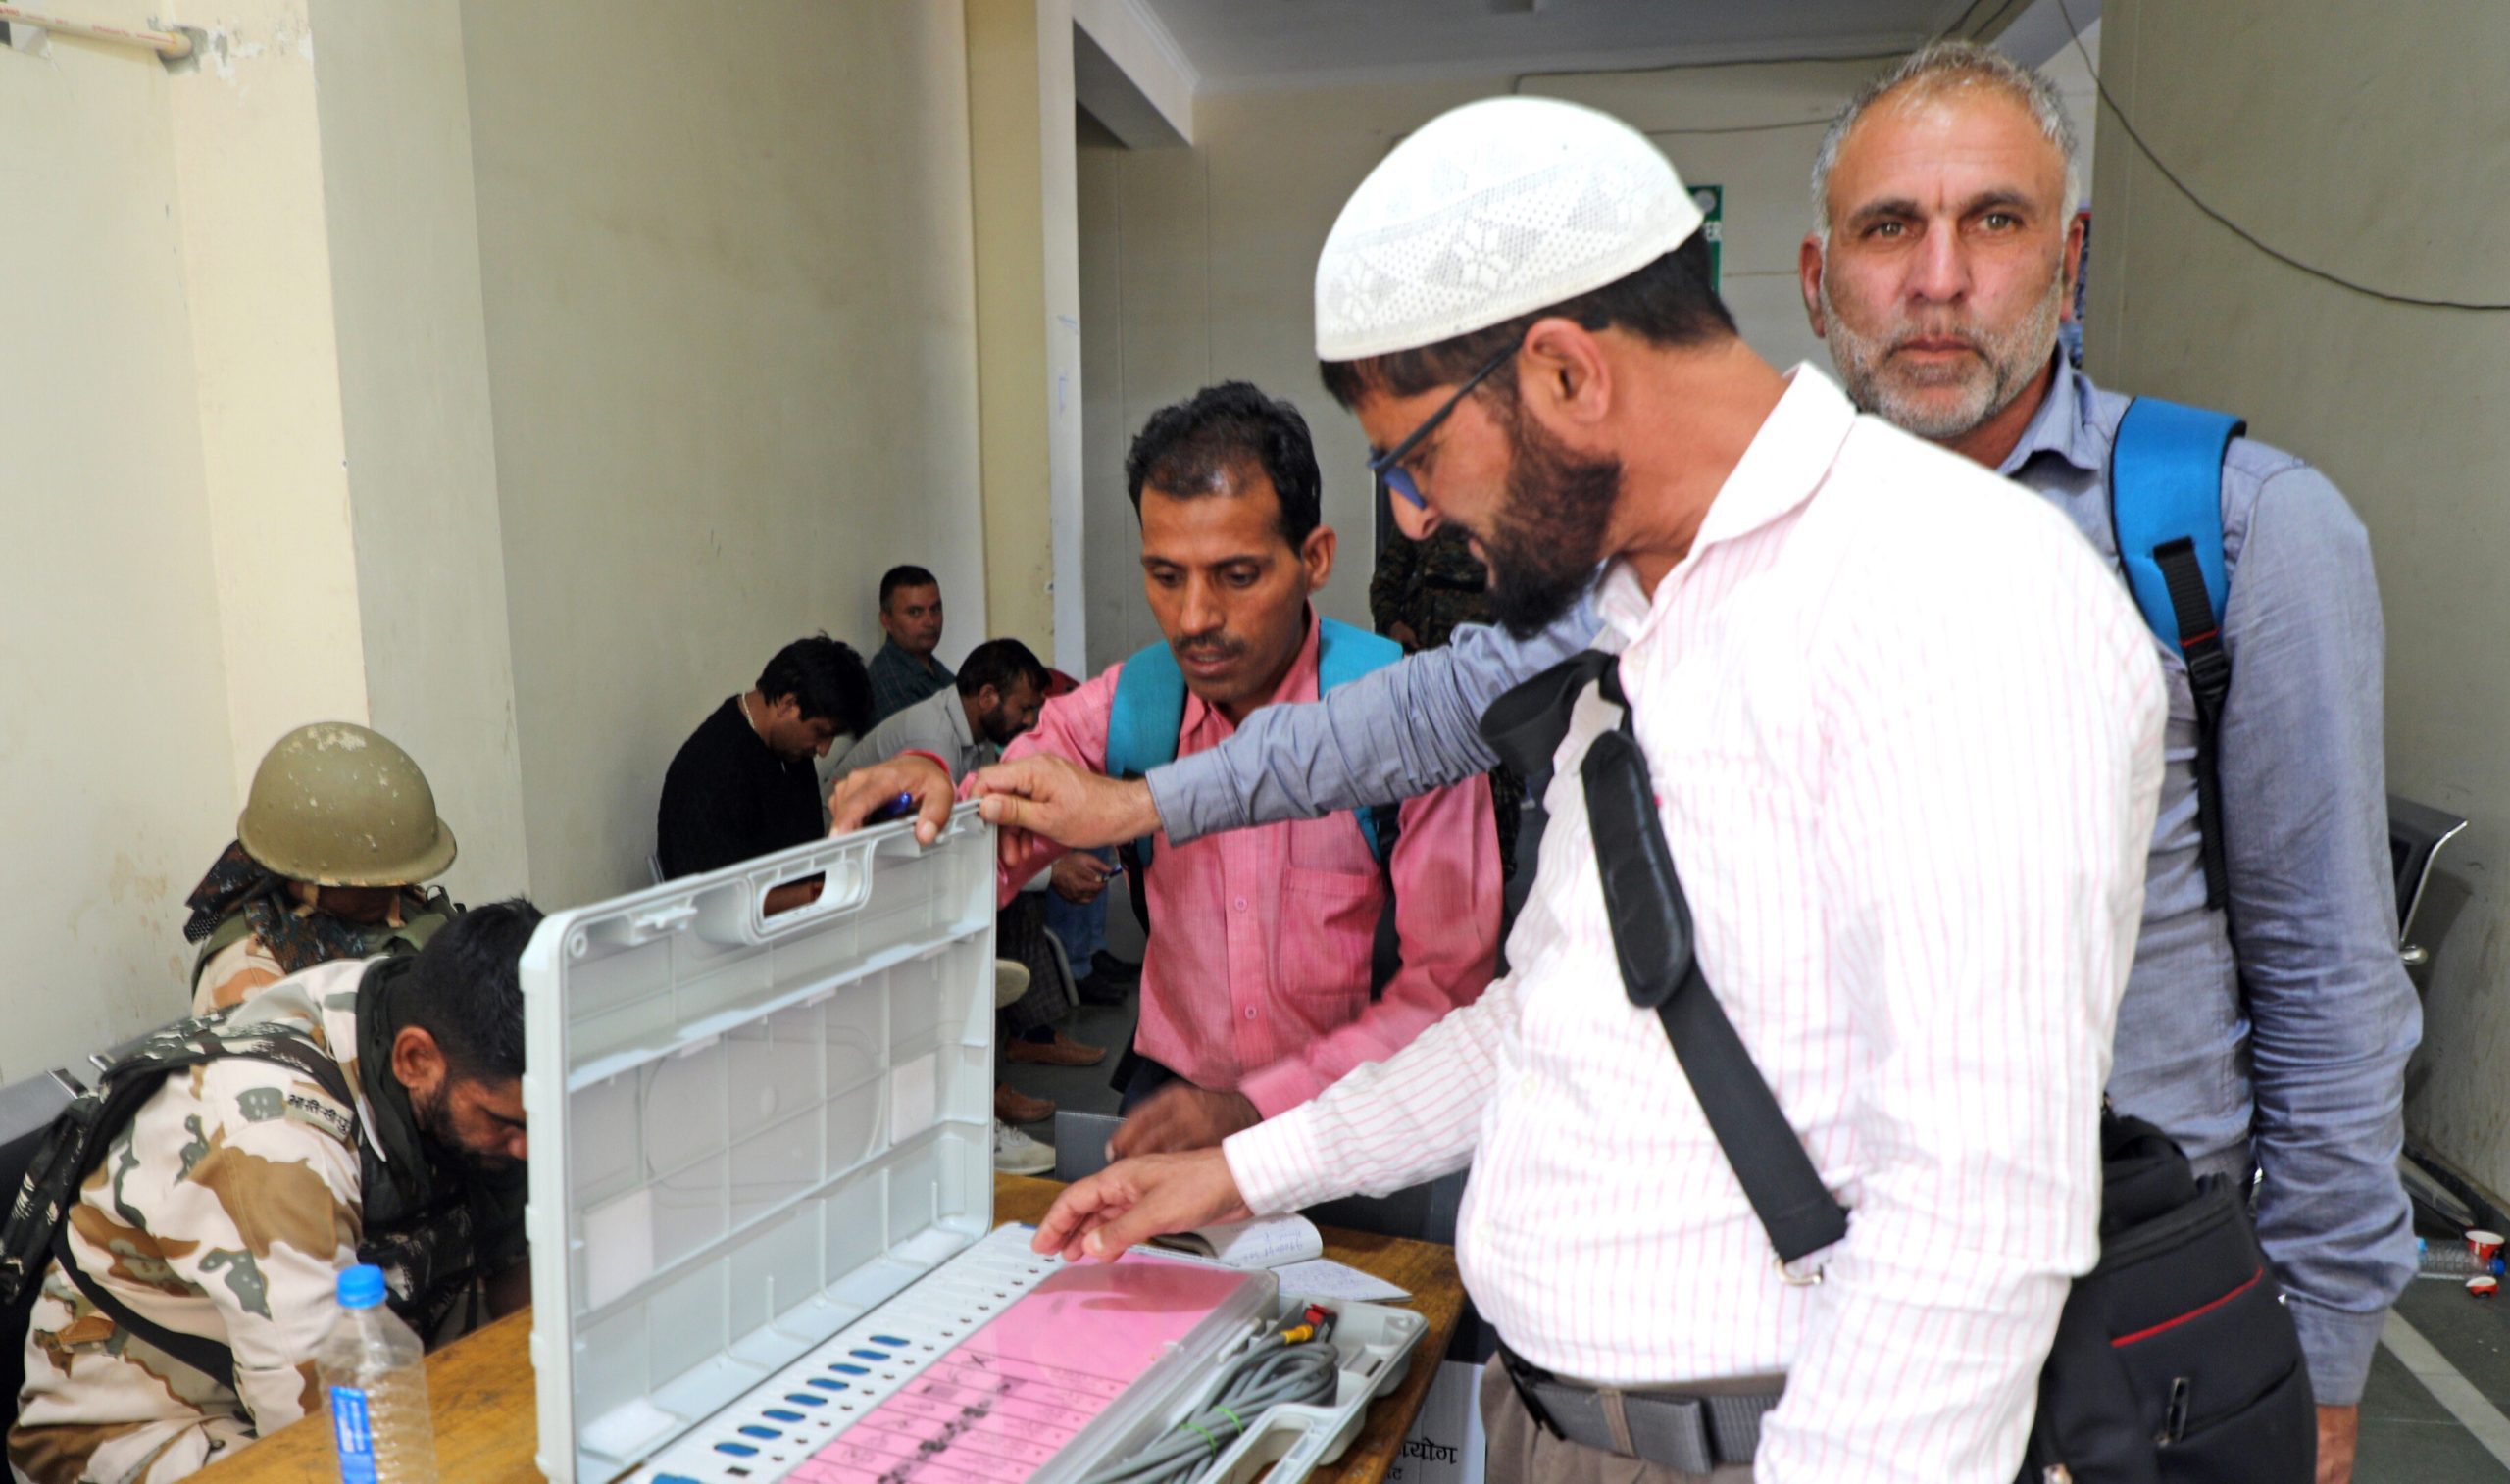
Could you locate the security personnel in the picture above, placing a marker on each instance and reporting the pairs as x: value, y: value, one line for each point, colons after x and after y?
x: 336, y: 834
x: 355, y: 1112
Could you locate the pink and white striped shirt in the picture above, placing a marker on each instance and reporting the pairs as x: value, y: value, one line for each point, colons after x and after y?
x: 1257, y: 978
x: 1905, y: 733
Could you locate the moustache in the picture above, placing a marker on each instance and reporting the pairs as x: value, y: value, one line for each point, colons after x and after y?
x: 1207, y: 650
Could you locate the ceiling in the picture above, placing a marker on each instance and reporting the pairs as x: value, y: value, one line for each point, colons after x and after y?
x: 1242, y: 44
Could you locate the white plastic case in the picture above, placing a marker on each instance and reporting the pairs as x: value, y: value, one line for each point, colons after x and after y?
x: 748, y: 1131
x: 753, y: 1136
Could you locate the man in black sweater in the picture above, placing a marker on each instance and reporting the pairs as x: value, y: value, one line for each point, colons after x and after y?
x: 743, y: 784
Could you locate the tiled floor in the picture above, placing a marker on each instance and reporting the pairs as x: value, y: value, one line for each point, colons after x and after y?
x: 1083, y: 1089
x: 2408, y: 1437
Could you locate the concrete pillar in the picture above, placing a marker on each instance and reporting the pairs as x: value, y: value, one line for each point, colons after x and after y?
x: 1020, y: 117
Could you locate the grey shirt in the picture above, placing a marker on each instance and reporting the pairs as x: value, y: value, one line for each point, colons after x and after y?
x: 937, y: 724
x: 2279, y: 1030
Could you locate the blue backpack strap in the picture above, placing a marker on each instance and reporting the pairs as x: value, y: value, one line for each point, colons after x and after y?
x: 1150, y: 705
x: 1142, y: 727
x: 2165, y: 508
x: 1344, y: 654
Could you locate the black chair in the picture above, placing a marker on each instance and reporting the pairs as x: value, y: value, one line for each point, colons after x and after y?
x: 2416, y: 833
x: 27, y: 1112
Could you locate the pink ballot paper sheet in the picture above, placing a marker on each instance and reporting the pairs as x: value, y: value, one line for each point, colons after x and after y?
x: 1001, y: 1403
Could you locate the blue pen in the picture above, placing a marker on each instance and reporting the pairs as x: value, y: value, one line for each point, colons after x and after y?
x: 896, y: 809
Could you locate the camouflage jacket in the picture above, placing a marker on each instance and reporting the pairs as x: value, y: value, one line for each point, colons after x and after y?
x: 1429, y: 587
x: 225, y: 1209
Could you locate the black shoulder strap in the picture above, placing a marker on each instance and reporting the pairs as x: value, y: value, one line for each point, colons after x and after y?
x: 92, y: 1122
x: 200, y: 1353
x: 1651, y: 937
x: 2209, y: 682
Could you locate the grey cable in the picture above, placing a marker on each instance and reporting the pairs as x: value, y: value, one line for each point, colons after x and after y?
x: 1269, y: 1375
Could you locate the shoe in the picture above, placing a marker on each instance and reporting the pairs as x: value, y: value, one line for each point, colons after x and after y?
x: 1099, y: 989
x: 1011, y: 1106
x: 1016, y: 1154
x: 1010, y: 982
x: 1107, y: 966
x: 1062, y: 1050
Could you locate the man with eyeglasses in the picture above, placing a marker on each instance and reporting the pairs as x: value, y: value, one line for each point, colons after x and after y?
x: 1910, y: 813
x: 2266, y: 1021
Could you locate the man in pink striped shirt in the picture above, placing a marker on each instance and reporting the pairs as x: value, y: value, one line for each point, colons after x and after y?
x: 1256, y: 983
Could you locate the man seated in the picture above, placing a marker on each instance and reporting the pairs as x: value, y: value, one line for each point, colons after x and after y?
x: 1256, y: 985
x: 994, y: 698
x: 743, y: 785
x: 225, y: 1209
x: 905, y: 670
x: 336, y: 834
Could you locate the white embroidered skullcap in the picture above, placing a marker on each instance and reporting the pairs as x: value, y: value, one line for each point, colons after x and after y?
x: 1491, y: 211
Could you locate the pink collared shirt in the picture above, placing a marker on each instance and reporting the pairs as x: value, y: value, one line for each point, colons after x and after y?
x: 1256, y: 979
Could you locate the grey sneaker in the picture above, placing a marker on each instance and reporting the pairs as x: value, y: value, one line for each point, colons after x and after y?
x: 1016, y: 1154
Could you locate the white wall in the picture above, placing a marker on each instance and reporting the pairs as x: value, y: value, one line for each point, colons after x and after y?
x: 116, y: 772
x: 2368, y: 142
x: 412, y: 384
x: 729, y: 310
x: 1198, y: 264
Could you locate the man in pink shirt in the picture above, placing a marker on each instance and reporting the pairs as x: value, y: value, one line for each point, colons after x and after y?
x: 1256, y: 983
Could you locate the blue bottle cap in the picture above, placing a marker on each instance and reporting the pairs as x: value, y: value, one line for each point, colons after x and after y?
x: 361, y: 1286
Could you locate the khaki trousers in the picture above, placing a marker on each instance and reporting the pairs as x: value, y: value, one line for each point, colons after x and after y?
x: 1523, y: 1451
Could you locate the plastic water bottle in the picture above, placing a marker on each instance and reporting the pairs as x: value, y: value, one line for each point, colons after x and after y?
x: 374, y: 1370
x: 2451, y: 1261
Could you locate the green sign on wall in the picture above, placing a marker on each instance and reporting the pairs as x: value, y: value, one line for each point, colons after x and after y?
x: 1712, y: 205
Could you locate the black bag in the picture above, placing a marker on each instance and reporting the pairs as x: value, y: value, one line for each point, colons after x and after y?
x: 2175, y: 1357
x: 36, y: 1231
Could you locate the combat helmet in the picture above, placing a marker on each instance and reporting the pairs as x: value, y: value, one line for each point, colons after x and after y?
x: 340, y: 805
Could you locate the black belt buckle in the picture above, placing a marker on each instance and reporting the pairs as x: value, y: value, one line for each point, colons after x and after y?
x: 1522, y: 1374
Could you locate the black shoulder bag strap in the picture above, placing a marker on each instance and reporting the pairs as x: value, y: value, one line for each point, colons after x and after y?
x: 154, y: 1065
x: 206, y: 1355
x: 1651, y: 936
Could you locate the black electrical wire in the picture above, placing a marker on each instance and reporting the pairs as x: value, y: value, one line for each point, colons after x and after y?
x: 2369, y: 291
x: 1270, y: 1374
x: 2125, y: 126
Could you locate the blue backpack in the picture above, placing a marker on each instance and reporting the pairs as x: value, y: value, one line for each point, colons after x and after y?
x: 1150, y: 705
x: 2166, y: 509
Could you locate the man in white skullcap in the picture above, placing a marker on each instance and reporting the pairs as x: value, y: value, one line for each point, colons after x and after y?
x: 1908, y: 815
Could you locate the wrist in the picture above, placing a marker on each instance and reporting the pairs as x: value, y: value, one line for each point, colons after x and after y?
x: 932, y: 758
x: 1141, y: 808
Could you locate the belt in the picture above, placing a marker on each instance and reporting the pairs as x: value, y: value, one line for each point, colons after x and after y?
x: 1692, y: 1432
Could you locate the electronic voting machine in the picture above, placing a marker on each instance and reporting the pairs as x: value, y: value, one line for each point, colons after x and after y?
x: 762, y: 1210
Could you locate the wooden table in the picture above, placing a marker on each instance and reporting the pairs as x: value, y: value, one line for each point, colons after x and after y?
x: 480, y: 1387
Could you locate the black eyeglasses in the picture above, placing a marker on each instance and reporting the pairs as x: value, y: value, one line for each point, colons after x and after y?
x: 1387, y: 467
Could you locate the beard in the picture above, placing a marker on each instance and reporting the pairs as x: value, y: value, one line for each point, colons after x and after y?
x: 1911, y: 398
x: 1547, y: 539
x: 435, y: 1125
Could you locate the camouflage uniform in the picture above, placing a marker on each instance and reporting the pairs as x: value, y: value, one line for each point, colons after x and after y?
x: 1430, y: 587
x: 251, y: 935
x: 225, y: 1209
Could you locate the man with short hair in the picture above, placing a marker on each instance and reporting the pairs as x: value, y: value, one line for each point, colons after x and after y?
x: 905, y: 670
x: 338, y: 830
x: 224, y: 1212
x: 1256, y: 983
x: 995, y: 696
x: 1912, y: 843
x: 2269, y: 1030
x: 2275, y: 1031
x: 743, y: 785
